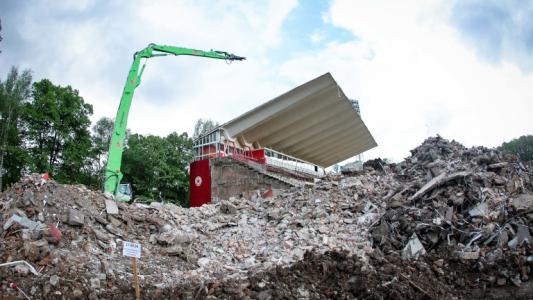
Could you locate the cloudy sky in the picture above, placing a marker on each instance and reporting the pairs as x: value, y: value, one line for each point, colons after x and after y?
x: 461, y: 69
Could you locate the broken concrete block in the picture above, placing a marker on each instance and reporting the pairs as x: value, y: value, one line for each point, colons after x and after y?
x: 523, y: 202
x: 23, y: 221
x: 95, y: 283
x: 503, y: 238
x: 114, y: 221
x: 102, y: 236
x: 501, y: 281
x: 349, y: 182
x: 75, y: 217
x: 522, y: 236
x: 469, y: 255
x: 36, y: 250
x: 227, y: 208
x: 22, y: 270
x: 516, y: 280
x: 439, y: 263
x: 479, y: 210
x: 174, y: 237
x: 54, y: 280
x: 114, y: 230
x: 203, y: 262
x: 497, y: 166
x: 414, y: 248
x: 111, y: 206
x: 166, y: 227
x: 175, y: 251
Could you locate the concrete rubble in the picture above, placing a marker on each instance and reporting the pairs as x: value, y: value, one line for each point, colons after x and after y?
x: 444, y: 208
x: 472, y: 204
x: 222, y: 240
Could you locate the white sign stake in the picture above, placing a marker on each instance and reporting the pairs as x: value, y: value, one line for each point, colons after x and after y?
x: 133, y: 250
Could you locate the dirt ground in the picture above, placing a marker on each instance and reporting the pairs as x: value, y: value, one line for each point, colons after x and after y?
x: 336, y: 275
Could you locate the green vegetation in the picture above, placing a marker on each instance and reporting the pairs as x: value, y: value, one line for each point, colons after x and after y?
x: 55, y: 124
x: 203, y: 126
x: 1, y: 32
x: 101, y: 137
x: 46, y: 128
x: 15, y: 90
x: 156, y: 166
x: 521, y: 147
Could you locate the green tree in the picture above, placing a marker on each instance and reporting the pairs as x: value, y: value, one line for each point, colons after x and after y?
x: 14, y: 91
x: 101, y: 137
x: 102, y: 132
x: 56, y: 131
x: 1, y: 33
x: 157, y: 167
x: 203, y: 126
x: 522, y: 147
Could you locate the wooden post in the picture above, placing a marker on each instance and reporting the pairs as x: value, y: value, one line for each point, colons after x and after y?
x: 136, y: 279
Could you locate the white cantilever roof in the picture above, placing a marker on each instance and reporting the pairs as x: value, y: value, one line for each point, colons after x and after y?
x: 314, y: 122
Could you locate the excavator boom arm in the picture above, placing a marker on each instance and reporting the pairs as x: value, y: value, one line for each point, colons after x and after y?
x: 113, y: 174
x: 193, y: 52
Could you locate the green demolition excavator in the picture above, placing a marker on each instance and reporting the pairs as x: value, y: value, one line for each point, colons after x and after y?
x: 113, y: 175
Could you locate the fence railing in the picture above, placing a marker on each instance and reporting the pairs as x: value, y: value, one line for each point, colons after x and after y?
x: 208, y: 148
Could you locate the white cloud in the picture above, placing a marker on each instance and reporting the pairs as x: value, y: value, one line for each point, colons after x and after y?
x: 415, y: 78
x: 91, y: 46
x: 316, y: 37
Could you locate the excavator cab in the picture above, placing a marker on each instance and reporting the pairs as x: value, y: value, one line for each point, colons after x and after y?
x: 124, y: 192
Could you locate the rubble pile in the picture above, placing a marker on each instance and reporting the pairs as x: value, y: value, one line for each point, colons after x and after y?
x: 65, y: 234
x: 446, y: 217
x: 473, y: 205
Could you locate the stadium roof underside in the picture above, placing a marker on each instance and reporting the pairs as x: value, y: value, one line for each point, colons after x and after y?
x: 314, y: 122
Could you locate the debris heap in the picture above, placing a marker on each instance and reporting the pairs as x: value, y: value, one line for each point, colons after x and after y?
x: 64, y: 234
x: 447, y: 217
x: 473, y: 205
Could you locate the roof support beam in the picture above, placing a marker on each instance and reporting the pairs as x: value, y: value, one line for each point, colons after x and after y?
x: 292, y: 118
x: 330, y: 142
x: 344, y: 129
x: 325, y: 125
x: 267, y: 111
x: 326, y: 152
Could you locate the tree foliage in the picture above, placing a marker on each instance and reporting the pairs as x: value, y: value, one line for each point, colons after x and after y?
x: 522, y: 147
x: 46, y: 128
x: 1, y: 33
x: 102, y: 132
x: 56, y: 132
x: 14, y: 91
x: 203, y: 126
x: 156, y: 166
x: 101, y: 137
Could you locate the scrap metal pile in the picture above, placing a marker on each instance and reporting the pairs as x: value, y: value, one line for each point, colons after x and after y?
x: 469, y: 204
x: 420, y: 226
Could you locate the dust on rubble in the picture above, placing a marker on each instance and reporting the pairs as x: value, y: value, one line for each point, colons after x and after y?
x: 448, y: 222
